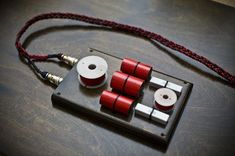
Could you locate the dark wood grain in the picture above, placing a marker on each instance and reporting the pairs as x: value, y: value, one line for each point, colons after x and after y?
x: 30, y: 125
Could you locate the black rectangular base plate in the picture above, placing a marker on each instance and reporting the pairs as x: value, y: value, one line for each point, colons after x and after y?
x: 86, y: 101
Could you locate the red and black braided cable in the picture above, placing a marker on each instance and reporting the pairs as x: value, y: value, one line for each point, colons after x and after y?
x: 120, y: 27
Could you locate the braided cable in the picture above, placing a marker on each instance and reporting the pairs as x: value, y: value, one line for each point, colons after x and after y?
x: 120, y: 27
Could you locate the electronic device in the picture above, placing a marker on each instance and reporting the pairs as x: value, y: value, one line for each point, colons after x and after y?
x: 139, y: 116
x: 124, y: 92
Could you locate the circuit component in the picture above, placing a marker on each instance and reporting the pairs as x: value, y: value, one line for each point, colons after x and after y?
x: 135, y: 68
x: 157, y: 82
x: 151, y: 113
x: 165, y: 99
x: 92, y: 71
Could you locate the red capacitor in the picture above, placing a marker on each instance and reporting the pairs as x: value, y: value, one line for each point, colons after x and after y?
x: 123, y: 104
x: 108, y: 98
x: 118, y: 81
x: 126, y: 84
x: 116, y: 102
x: 135, y: 68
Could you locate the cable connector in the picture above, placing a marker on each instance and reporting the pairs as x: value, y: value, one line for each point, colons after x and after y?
x: 56, y: 80
x: 69, y: 60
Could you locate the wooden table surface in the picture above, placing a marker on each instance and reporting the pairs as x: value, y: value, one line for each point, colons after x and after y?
x: 31, y: 126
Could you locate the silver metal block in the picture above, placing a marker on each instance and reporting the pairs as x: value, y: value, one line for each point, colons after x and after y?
x: 157, y: 82
x: 175, y: 87
x: 143, y: 110
x: 159, y: 117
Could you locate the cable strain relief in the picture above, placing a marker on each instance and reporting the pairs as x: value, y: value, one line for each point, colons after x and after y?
x: 44, y: 74
x: 59, y: 56
x: 55, y: 55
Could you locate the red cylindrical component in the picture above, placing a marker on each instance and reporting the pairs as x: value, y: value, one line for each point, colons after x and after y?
x: 128, y: 66
x: 116, y: 102
x: 143, y: 71
x: 127, y: 84
x: 107, y: 99
x: 118, y: 81
x: 133, y: 86
x: 123, y: 105
x: 135, y: 68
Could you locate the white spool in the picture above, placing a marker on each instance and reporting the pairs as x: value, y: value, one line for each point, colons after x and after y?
x: 92, y: 68
x: 165, y: 99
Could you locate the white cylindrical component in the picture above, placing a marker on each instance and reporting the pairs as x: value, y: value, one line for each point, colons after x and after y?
x: 92, y: 71
x: 165, y: 99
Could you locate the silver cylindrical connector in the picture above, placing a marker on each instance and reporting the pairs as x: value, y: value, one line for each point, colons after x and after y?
x: 54, y: 79
x: 69, y: 60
